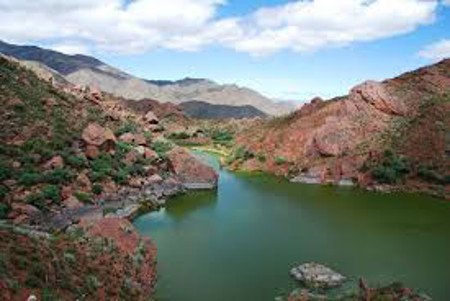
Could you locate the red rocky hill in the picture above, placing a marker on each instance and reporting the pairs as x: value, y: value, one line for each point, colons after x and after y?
x: 392, y: 132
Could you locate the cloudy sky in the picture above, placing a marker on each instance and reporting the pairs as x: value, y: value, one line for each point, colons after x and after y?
x: 284, y: 49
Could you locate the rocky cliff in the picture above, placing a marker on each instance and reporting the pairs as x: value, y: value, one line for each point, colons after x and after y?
x: 392, y: 132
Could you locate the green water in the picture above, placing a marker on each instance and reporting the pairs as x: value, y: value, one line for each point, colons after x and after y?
x: 238, y: 243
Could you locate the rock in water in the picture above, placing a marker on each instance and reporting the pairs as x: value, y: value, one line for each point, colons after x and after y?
x: 317, y: 275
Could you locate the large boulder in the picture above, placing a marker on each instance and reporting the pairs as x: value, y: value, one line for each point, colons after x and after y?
x: 95, y: 134
x: 190, y: 171
x: 151, y: 118
x: 317, y: 275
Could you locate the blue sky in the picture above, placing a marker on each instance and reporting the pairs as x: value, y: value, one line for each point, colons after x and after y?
x: 284, y: 49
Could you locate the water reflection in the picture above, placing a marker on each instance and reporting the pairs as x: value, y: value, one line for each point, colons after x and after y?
x: 181, y: 206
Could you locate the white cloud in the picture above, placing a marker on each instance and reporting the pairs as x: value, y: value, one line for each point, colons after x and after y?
x: 189, y: 25
x: 70, y: 48
x: 436, y: 51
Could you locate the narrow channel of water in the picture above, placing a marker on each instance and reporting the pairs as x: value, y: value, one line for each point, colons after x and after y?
x: 239, y: 242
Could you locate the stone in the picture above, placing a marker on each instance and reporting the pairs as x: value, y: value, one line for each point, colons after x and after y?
x: 150, y: 170
x: 16, y: 164
x: 150, y: 154
x: 127, y: 138
x: 317, y: 275
x: 83, y: 182
x: 32, y: 298
x: 109, y: 187
x: 92, y: 152
x: 95, y: 134
x: 140, y: 150
x: 151, y: 118
x: 55, y: 162
x: 27, y: 209
x: 155, y: 179
x: 66, y: 192
x: 9, y: 183
x: 192, y: 173
x: 135, y: 182
x: 130, y: 138
x: 72, y: 202
x: 130, y: 158
x: 140, y: 139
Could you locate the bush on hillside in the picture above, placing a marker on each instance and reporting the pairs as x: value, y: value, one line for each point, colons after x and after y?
x: 162, y: 147
x: 222, y: 136
x: 179, y: 136
x: 393, y: 169
x: 430, y: 175
x: 280, y: 160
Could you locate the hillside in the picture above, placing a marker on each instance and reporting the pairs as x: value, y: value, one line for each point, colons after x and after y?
x: 88, y: 71
x: 203, y: 110
x: 75, y: 165
x: 395, y: 133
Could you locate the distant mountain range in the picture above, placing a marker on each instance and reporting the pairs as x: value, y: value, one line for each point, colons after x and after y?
x: 204, y: 110
x: 89, y: 71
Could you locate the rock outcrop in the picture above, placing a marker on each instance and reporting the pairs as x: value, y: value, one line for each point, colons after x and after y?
x: 317, y: 275
x: 96, y: 135
x: 191, y: 172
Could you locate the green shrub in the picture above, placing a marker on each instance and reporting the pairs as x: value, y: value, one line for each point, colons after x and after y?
x: 430, y: 175
x: 76, y: 161
x: 101, y: 167
x: 179, y: 136
x: 36, y: 275
x: 37, y: 200
x: 222, y: 136
x: 51, y: 192
x: 97, y: 189
x: 385, y: 175
x: 279, y: 160
x: 148, y: 137
x: 162, y: 147
x: 4, y: 210
x: 122, y: 148
x: 128, y: 126
x: 48, y: 295
x: 82, y: 197
x: 243, y: 154
x: 58, y: 176
x: 95, y: 115
x: 5, y: 172
x: 38, y: 146
x: 3, y: 191
x: 392, y: 170
x: 92, y: 283
x: 261, y: 158
x: 30, y: 178
x: 121, y: 176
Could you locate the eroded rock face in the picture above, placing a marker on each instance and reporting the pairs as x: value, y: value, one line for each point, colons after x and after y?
x: 96, y: 135
x: 377, y: 94
x: 190, y: 171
